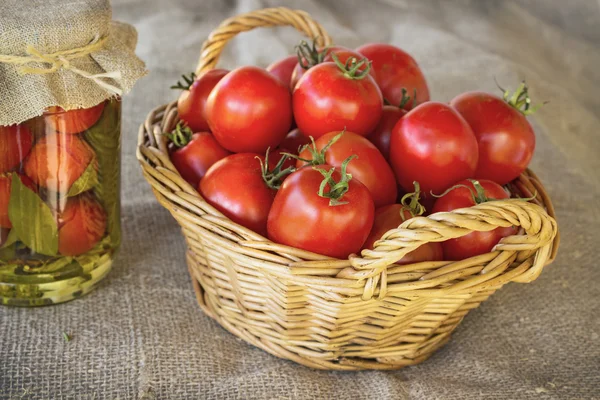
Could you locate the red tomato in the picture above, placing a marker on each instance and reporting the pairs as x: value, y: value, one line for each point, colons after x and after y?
x: 283, y: 69
x: 434, y: 146
x: 81, y: 225
x: 5, y: 189
x: 194, y: 153
x: 370, y: 167
x: 328, y: 99
x: 249, y: 111
x: 303, y: 217
x: 505, y: 137
x: 390, y: 217
x: 236, y: 187
x: 467, y: 194
x: 57, y: 161
x: 15, y: 143
x: 294, y: 141
x: 191, y: 104
x: 380, y: 136
x: 72, y: 121
x: 395, y: 70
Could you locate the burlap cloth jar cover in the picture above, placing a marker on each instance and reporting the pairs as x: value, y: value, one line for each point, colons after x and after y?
x: 62, y: 53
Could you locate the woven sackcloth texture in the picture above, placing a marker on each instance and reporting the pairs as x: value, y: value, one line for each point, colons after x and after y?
x: 141, y: 334
x: 52, y: 26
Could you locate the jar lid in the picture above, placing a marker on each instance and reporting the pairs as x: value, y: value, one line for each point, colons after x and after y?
x: 67, y: 54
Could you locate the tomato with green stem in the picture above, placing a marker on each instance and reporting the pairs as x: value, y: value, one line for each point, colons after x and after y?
x: 433, y: 145
x: 193, y: 154
x: 249, y: 110
x: 15, y: 144
x: 333, y: 96
x: 243, y: 186
x: 392, y: 216
x: 73, y: 121
x: 468, y: 193
x: 370, y: 167
x: 506, y: 139
x: 322, y: 209
x: 394, y: 70
x: 191, y: 104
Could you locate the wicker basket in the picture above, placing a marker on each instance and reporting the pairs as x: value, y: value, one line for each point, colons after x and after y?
x: 361, y: 313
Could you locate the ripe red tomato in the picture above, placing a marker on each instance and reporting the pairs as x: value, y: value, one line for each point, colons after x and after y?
x: 81, y: 224
x: 194, y: 153
x: 236, y: 187
x: 370, y: 167
x: 283, y: 69
x: 294, y: 141
x: 15, y: 143
x: 505, y: 137
x: 72, y: 121
x: 394, y: 70
x: 382, y: 133
x: 302, y: 215
x: 467, y: 193
x: 434, y: 146
x: 249, y: 110
x: 390, y: 217
x: 191, y: 104
x: 5, y: 190
x: 57, y: 161
x: 328, y: 98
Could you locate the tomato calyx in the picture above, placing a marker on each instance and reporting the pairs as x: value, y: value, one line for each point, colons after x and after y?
x: 309, y: 56
x: 352, y: 68
x: 317, y: 157
x: 337, y: 190
x: 181, y: 135
x: 274, y: 178
x: 478, y: 195
x: 410, y: 202
x: 188, y: 80
x: 520, y: 99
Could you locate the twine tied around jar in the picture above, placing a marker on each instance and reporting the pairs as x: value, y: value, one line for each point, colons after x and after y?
x: 61, y: 60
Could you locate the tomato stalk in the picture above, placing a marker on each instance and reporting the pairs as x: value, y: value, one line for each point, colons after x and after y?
x: 317, y: 157
x: 181, y: 135
x: 520, y: 99
x: 478, y: 195
x: 274, y: 178
x: 410, y: 202
x: 188, y: 81
x: 352, y: 67
x: 337, y: 190
x: 309, y: 56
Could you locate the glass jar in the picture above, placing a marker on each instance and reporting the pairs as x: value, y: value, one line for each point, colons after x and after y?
x: 59, y: 203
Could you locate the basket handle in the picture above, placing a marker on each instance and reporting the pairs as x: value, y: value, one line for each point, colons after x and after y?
x: 268, y: 17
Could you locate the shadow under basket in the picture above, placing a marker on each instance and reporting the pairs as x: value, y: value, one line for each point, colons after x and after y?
x: 364, y: 312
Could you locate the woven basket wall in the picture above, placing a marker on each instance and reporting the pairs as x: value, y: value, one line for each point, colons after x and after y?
x: 361, y: 313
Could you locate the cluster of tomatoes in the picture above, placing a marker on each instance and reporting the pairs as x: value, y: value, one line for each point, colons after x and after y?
x: 48, y: 155
x: 369, y: 150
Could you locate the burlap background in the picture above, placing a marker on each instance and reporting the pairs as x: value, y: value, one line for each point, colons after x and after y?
x: 141, y: 334
x: 57, y: 25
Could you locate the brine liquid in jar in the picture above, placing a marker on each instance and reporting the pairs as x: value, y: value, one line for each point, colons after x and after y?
x: 59, y: 203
